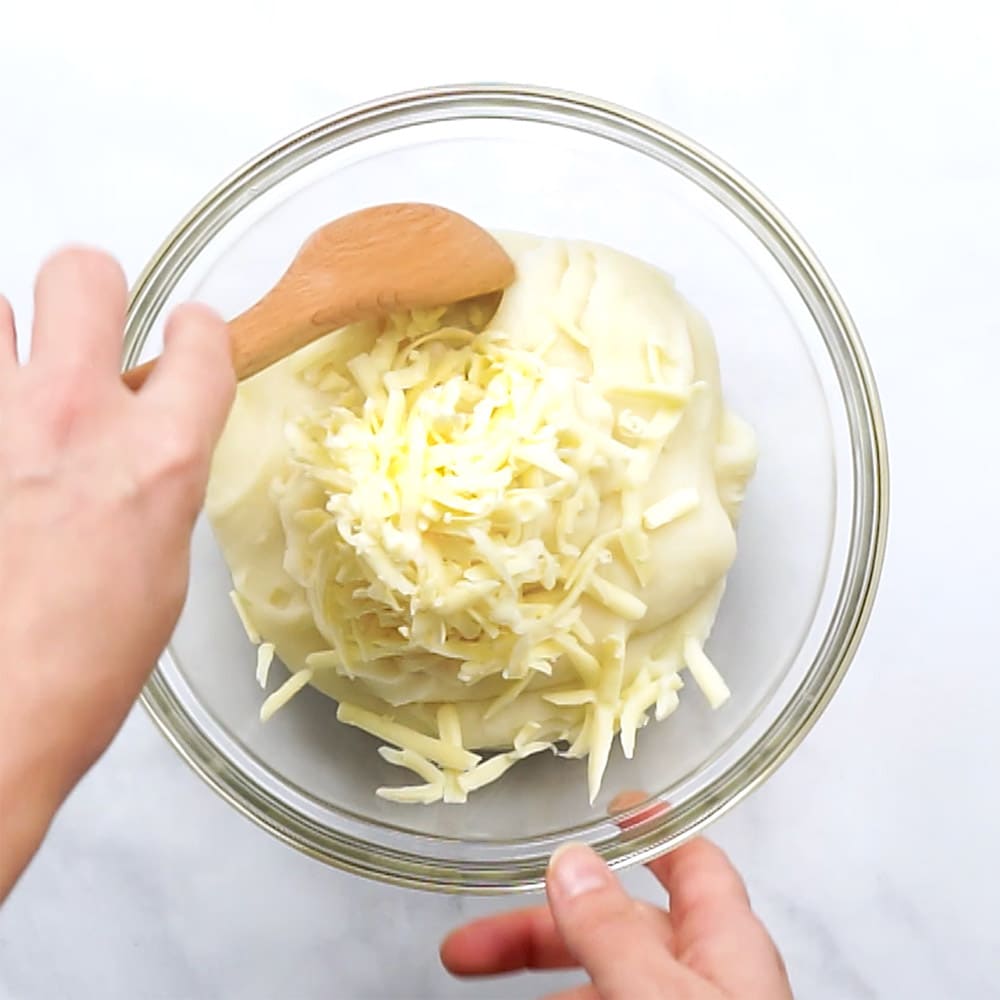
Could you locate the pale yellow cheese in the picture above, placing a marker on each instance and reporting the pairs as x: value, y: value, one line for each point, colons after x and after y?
x: 508, y: 537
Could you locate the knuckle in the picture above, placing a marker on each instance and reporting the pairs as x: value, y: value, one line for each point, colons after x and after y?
x: 597, y: 912
x: 603, y: 927
x: 57, y: 409
x: 735, y: 885
x: 654, y: 915
x: 698, y: 954
x: 177, y: 459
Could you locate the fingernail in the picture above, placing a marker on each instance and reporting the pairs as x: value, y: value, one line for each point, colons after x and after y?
x: 624, y: 801
x: 575, y: 869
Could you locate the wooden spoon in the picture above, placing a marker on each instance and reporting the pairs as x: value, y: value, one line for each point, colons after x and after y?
x: 379, y: 260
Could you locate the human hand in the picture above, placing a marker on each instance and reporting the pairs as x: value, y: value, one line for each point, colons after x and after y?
x: 709, y: 945
x: 99, y: 490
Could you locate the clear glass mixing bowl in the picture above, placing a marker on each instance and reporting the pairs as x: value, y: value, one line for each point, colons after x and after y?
x: 812, y: 532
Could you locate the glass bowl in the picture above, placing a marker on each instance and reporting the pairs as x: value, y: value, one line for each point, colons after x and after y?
x: 812, y: 531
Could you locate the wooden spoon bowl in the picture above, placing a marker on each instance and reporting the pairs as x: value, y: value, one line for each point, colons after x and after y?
x: 383, y: 259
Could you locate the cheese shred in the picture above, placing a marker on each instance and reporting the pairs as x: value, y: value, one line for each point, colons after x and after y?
x: 295, y: 683
x: 265, y: 657
x: 703, y: 671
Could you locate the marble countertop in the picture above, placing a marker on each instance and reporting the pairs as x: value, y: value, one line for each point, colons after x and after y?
x: 871, y: 854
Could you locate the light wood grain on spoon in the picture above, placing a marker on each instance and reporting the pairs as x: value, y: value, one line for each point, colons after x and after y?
x: 379, y: 260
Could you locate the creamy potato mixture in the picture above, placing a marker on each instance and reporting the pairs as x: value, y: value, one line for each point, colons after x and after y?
x: 486, y: 537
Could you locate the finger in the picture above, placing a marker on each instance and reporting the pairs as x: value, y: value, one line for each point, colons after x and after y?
x: 521, y: 940
x: 193, y: 382
x: 510, y: 942
x: 624, y: 809
x: 585, y: 992
x: 715, y: 932
x: 80, y: 302
x: 607, y: 932
x: 698, y: 875
x: 633, y: 808
x: 703, y: 884
x: 8, y: 336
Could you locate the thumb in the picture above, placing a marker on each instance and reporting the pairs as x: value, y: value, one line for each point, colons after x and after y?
x: 607, y: 932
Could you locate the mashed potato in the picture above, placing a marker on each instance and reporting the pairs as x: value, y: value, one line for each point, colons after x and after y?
x: 485, y: 539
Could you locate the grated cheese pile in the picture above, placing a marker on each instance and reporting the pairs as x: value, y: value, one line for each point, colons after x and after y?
x: 490, y: 539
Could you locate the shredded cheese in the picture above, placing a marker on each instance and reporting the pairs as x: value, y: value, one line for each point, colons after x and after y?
x: 670, y: 508
x: 703, y: 671
x: 265, y: 657
x: 241, y: 611
x: 464, y: 508
x: 406, y: 738
x: 295, y: 683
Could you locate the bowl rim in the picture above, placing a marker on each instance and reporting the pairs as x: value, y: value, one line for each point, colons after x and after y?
x: 869, y: 526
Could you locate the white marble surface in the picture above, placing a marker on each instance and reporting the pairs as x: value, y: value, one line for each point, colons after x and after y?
x: 872, y: 853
